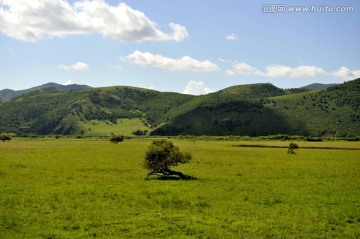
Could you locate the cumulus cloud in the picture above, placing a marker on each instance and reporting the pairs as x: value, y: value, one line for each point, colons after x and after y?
x: 180, y: 32
x: 242, y: 69
x: 34, y: 20
x: 197, y: 88
x: 346, y: 74
x: 185, y: 63
x: 77, y: 66
x: 276, y: 71
x: 232, y: 37
x: 69, y: 82
x: 280, y: 71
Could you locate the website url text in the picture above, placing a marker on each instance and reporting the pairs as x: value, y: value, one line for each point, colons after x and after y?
x: 282, y: 8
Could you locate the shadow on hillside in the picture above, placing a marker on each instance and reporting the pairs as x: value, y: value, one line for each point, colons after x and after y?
x: 232, y: 120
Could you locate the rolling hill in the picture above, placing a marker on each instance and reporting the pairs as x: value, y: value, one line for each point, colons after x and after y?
x: 263, y: 109
x: 257, y: 109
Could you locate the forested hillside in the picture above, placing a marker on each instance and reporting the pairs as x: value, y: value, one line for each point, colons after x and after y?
x: 257, y: 109
x: 263, y: 109
x: 51, y: 111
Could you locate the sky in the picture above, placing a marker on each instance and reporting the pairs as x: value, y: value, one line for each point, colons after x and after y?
x: 192, y: 47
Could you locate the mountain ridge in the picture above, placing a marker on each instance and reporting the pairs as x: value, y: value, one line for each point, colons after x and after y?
x: 317, y: 86
x: 7, y: 94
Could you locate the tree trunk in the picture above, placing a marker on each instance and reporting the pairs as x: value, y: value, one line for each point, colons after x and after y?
x: 169, y: 172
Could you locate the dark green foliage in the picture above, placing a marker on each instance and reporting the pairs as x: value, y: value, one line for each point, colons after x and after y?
x: 283, y: 137
x: 353, y: 139
x: 140, y: 132
x: 314, y: 139
x: 292, y: 147
x: 163, y: 154
x: 166, y: 130
x: 4, y: 138
x: 116, y: 139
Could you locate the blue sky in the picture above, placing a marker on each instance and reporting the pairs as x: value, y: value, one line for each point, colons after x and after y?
x: 193, y: 47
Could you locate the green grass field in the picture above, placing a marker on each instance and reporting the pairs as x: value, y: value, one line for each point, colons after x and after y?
x: 63, y: 188
x: 122, y: 127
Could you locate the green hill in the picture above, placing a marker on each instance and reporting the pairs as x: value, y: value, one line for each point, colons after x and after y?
x: 263, y: 109
x: 52, y: 111
x: 257, y: 109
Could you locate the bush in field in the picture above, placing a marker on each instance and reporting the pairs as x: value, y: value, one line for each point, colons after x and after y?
x: 292, y: 147
x: 140, y: 132
x: 163, y: 154
x: 312, y: 139
x: 116, y: 139
x: 4, y: 138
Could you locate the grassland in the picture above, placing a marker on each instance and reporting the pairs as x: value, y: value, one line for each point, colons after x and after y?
x: 63, y: 188
x: 122, y: 127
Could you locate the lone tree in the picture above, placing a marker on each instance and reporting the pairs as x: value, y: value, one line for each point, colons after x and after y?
x: 116, y: 139
x: 163, y: 154
x: 292, y: 147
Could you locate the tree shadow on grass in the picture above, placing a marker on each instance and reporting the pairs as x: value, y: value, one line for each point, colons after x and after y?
x: 171, y: 178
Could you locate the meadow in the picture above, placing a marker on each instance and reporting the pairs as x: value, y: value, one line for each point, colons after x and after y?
x: 89, y: 188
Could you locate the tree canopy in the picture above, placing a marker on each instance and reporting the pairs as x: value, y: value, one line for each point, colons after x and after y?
x: 163, y: 154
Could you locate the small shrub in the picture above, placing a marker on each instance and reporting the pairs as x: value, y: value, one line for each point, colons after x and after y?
x: 292, y: 147
x: 4, y: 138
x: 116, y: 139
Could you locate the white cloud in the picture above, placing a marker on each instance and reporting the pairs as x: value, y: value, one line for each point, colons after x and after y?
x: 69, y: 82
x: 232, y: 37
x: 34, y: 20
x: 31, y: 20
x: 346, y: 74
x: 185, y: 63
x: 180, y: 32
x: 197, y: 88
x: 280, y: 71
x: 242, y: 69
x: 77, y: 66
x: 276, y: 71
